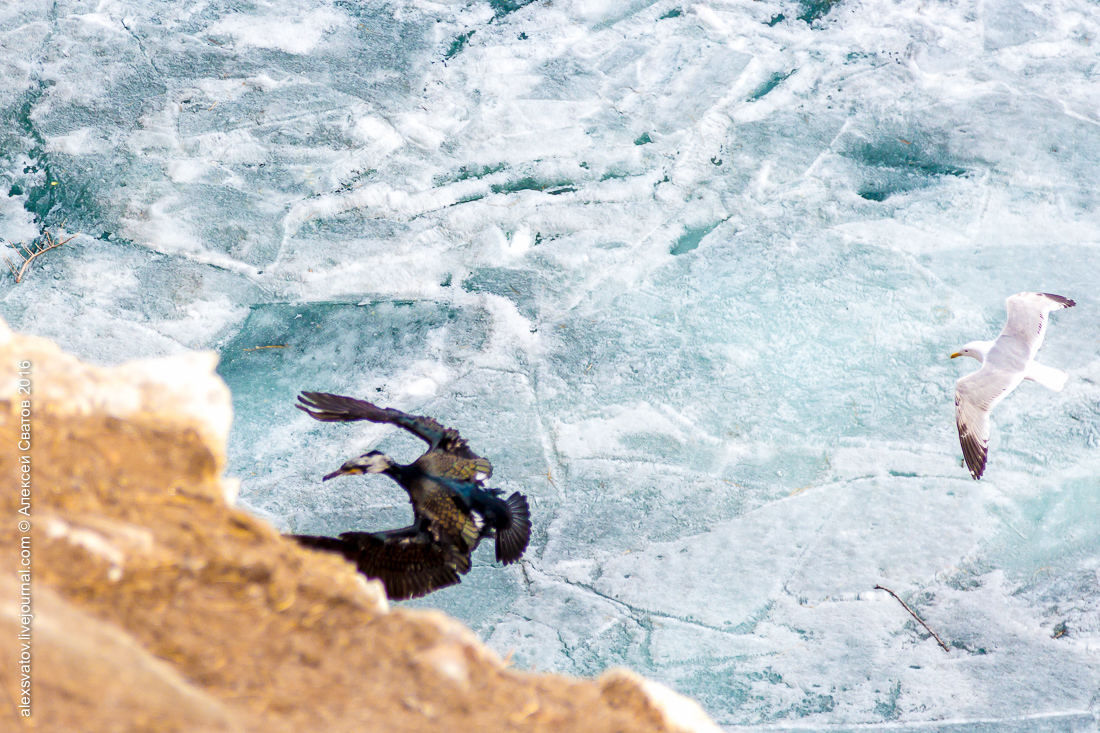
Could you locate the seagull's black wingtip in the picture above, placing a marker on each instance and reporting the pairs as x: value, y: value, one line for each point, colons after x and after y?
x: 1060, y: 299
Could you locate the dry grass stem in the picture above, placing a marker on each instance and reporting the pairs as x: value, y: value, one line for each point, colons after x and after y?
x: 28, y: 253
x: 914, y: 615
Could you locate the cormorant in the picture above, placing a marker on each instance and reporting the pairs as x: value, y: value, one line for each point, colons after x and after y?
x: 452, y: 509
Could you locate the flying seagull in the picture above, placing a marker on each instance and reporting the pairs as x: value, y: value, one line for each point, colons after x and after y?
x: 1006, y: 362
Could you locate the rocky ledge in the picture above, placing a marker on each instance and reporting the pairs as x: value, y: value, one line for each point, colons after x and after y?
x: 158, y: 605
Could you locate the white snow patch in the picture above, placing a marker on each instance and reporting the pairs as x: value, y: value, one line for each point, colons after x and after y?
x: 274, y: 32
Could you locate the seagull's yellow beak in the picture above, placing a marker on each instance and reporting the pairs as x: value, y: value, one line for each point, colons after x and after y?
x: 955, y: 355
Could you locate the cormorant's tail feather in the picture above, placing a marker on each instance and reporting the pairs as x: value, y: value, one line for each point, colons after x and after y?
x: 512, y: 540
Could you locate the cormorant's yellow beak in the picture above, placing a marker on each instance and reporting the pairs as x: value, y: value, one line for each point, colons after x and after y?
x: 344, y: 470
x: 956, y: 354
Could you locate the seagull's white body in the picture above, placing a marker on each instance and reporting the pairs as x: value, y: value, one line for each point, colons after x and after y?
x: 1006, y: 361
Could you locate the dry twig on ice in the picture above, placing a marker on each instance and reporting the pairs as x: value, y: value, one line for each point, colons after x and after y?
x: 914, y: 615
x: 28, y: 252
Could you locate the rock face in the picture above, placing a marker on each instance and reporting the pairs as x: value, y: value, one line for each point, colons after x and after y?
x: 159, y: 606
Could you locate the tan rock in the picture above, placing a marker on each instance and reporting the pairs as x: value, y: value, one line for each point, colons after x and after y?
x: 99, y: 672
x: 159, y: 606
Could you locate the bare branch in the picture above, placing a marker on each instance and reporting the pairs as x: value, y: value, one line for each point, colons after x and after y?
x: 32, y: 251
x: 914, y: 615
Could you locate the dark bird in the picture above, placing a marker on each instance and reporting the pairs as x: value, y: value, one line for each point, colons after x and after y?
x: 409, y: 562
x: 1006, y: 362
x: 453, y: 511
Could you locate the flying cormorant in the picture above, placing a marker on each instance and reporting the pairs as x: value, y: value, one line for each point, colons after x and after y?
x: 452, y: 509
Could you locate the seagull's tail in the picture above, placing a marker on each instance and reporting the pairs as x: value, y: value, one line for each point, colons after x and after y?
x: 1046, y: 376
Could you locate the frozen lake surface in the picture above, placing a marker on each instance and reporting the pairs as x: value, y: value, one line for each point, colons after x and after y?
x: 687, y: 273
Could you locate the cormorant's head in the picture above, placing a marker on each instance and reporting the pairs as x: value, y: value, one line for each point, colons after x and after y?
x: 373, y: 462
x: 974, y: 349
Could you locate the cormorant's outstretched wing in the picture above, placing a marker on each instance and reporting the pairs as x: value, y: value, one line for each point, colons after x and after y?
x: 450, y: 455
x: 408, y: 561
x: 336, y: 408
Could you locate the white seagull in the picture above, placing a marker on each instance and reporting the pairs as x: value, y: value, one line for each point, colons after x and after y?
x: 1005, y: 363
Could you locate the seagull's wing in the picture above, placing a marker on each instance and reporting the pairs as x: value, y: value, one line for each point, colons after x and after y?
x: 975, y: 396
x: 1027, y: 318
x: 407, y: 561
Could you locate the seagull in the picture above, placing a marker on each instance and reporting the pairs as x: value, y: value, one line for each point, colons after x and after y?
x: 1006, y: 361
